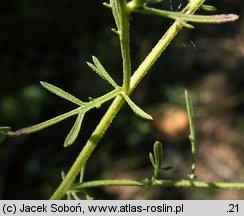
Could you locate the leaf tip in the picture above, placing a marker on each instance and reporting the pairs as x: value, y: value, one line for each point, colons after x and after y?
x: 42, y: 83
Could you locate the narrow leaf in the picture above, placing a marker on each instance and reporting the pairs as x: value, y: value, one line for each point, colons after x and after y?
x: 213, y: 19
x: 100, y: 70
x: 209, y: 8
x: 82, y: 173
x: 63, y: 175
x: 187, y: 25
x: 137, y: 110
x: 107, y: 5
x: 61, y: 93
x: 45, y: 124
x: 153, y: 1
x: 104, y: 74
x: 158, y: 154
x: 115, y: 5
x: 74, y: 130
x: 152, y: 159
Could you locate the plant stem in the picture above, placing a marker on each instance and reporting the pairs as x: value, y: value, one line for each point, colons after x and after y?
x: 161, y: 183
x: 125, y: 46
x: 118, y: 102
x: 88, y: 148
x: 192, y: 136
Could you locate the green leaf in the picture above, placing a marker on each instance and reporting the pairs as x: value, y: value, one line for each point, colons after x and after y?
x: 45, y: 124
x: 107, y: 5
x: 61, y: 93
x: 158, y: 154
x: 116, y: 10
x: 152, y: 159
x: 209, y: 8
x: 82, y: 173
x: 153, y: 1
x: 187, y: 25
x: 213, y: 19
x: 74, y: 130
x: 3, y: 131
x: 100, y: 70
x: 137, y: 110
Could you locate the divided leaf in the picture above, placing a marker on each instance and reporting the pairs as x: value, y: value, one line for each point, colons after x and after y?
x: 74, y: 130
x: 100, y: 70
x: 61, y: 93
x: 137, y: 110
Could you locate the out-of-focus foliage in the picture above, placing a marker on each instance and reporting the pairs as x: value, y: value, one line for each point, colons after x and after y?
x: 52, y: 40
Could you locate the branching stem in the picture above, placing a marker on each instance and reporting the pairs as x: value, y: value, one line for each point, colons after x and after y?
x: 160, y: 183
x: 98, y: 133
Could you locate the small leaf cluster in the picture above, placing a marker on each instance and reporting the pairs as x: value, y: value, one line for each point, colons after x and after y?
x: 156, y: 159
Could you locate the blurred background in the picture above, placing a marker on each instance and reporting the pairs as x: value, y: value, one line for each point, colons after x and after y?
x: 51, y: 40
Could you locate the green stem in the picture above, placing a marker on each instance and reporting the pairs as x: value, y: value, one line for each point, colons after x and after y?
x: 160, y: 183
x: 125, y: 46
x: 118, y: 102
x: 88, y: 148
x: 192, y: 136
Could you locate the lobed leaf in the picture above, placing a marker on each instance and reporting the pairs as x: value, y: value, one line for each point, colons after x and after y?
x: 61, y: 93
x: 100, y: 70
x: 74, y: 130
x: 137, y: 110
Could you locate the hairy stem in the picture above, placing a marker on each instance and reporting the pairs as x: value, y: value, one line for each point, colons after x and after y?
x: 96, y: 136
x: 125, y: 46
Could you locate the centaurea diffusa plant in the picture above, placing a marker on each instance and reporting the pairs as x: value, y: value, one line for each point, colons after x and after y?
x: 122, y: 10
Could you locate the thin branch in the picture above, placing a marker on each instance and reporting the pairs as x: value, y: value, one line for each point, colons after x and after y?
x: 160, y: 183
